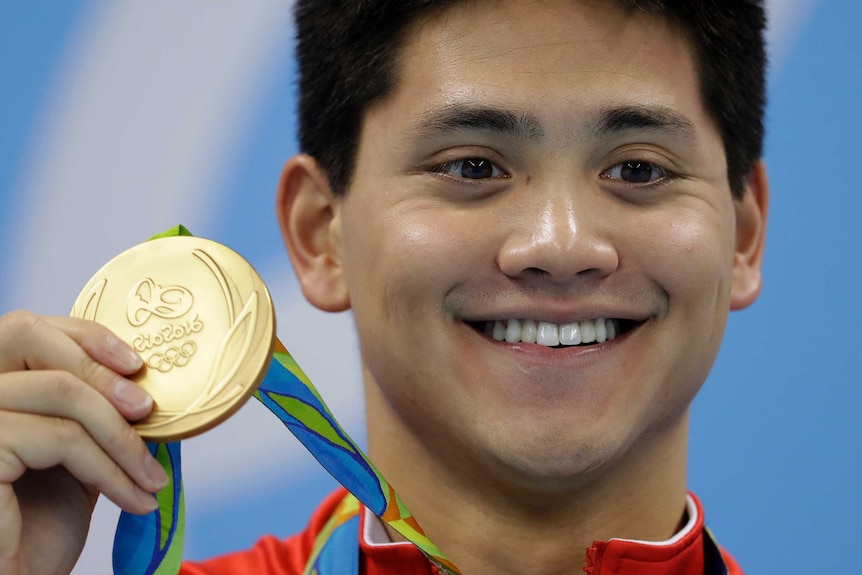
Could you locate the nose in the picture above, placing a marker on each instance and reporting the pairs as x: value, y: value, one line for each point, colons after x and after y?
x: 561, y: 235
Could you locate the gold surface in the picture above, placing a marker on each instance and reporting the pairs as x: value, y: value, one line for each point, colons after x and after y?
x: 202, y: 320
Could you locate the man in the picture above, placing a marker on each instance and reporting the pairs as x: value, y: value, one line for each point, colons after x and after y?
x: 540, y: 214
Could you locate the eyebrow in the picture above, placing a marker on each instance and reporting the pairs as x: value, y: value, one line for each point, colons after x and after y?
x: 526, y: 127
x: 459, y: 117
x: 651, y: 118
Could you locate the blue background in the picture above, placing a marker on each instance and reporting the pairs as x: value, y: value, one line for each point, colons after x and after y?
x: 775, y: 444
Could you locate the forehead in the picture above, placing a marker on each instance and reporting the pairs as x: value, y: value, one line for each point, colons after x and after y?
x: 554, y: 55
x: 576, y: 19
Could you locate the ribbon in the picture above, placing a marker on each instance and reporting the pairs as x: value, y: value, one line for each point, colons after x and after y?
x: 152, y: 544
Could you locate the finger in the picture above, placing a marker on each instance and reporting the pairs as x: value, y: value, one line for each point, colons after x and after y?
x: 100, y: 343
x: 31, y: 342
x: 10, y: 530
x: 40, y: 442
x: 60, y: 395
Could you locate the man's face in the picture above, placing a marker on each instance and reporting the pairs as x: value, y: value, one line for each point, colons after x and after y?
x: 550, y: 163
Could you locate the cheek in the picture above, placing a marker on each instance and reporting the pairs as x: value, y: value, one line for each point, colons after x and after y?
x: 400, y: 263
x: 691, y: 259
x: 694, y: 272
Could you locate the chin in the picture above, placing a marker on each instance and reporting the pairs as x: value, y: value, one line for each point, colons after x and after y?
x: 550, y: 465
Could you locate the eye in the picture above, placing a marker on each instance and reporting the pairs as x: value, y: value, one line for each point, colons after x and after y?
x: 636, y: 172
x: 471, y: 169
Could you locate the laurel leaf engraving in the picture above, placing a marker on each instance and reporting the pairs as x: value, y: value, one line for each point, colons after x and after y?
x: 91, y: 301
x: 228, y: 288
x: 234, y: 348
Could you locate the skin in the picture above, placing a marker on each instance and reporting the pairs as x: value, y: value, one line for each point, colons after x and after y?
x: 64, y: 438
x: 500, y: 447
x: 514, y: 457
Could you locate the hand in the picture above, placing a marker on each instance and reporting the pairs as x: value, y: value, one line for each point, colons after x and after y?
x: 65, y: 438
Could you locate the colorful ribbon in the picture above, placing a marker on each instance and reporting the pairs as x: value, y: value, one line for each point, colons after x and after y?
x: 152, y: 544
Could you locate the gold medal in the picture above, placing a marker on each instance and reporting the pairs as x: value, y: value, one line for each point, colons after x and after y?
x: 202, y: 320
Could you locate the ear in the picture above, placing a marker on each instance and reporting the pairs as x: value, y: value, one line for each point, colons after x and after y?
x: 751, y: 213
x: 309, y: 217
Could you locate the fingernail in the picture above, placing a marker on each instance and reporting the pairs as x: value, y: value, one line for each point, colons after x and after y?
x: 155, y: 472
x: 148, y: 501
x: 125, y: 355
x: 132, y: 395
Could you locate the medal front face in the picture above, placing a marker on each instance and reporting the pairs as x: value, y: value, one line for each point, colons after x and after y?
x: 202, y: 320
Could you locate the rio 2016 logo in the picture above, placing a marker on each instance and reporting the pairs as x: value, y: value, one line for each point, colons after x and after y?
x: 149, y: 299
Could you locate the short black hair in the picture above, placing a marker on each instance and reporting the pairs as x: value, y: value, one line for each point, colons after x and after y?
x: 348, y: 51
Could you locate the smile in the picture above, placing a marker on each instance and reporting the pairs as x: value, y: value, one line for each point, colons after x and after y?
x: 580, y: 333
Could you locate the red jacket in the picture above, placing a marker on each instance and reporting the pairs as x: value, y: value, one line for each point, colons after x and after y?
x: 270, y: 556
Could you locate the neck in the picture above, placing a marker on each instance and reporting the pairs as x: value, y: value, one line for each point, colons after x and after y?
x: 485, y: 524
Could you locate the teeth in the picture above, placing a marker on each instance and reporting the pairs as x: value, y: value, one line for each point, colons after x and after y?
x: 550, y: 334
x: 588, y: 331
x: 529, y: 331
x: 513, y: 331
x: 601, y: 331
x: 570, y: 334
x: 499, y: 331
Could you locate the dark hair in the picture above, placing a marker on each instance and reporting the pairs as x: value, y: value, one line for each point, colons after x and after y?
x: 348, y: 51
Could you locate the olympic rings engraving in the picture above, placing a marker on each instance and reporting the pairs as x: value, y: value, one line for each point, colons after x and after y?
x: 174, y: 356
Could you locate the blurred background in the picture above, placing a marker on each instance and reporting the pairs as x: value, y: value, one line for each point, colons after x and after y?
x: 121, y: 119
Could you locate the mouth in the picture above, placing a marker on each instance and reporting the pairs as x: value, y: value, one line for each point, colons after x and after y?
x: 576, y: 334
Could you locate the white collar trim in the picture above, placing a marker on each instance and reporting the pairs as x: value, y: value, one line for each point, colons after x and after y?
x: 374, y: 534
x: 691, y: 511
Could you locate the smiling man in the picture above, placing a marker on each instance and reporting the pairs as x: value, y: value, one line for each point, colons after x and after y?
x: 540, y: 214
x: 547, y: 216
